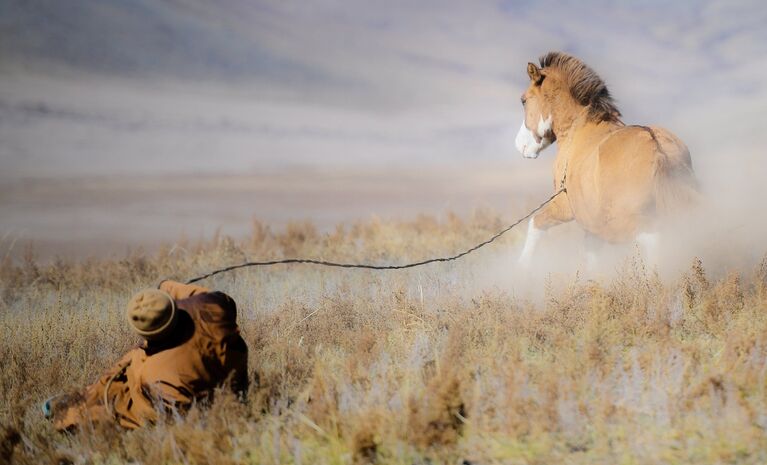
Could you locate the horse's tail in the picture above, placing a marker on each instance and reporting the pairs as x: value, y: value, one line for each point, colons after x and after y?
x: 676, y: 188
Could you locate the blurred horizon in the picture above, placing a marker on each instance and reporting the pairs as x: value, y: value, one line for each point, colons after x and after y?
x: 93, y: 90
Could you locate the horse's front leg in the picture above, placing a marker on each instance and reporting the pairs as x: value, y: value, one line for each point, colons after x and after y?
x: 556, y: 212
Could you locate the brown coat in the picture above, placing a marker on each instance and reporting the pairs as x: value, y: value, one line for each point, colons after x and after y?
x: 204, y: 351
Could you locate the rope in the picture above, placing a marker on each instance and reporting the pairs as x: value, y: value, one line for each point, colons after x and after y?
x: 381, y: 267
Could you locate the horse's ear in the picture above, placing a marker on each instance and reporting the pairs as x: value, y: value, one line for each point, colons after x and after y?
x: 535, y: 73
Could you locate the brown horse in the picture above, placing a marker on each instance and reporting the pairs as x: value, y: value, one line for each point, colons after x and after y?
x: 619, y: 179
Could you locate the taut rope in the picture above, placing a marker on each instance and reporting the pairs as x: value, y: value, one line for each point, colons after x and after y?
x: 382, y: 267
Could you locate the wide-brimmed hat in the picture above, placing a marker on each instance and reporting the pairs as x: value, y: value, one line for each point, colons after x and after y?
x: 151, y: 313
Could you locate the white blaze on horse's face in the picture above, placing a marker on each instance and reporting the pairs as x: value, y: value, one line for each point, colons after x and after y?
x: 531, y: 143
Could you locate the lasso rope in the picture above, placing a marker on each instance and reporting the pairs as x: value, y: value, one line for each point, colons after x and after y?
x: 383, y: 267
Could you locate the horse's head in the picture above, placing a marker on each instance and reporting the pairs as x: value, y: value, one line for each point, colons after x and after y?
x: 536, y: 133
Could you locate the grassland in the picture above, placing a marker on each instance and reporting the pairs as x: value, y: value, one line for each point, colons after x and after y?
x: 431, y: 365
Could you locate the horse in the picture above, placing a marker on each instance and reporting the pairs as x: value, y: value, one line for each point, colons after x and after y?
x: 617, y: 180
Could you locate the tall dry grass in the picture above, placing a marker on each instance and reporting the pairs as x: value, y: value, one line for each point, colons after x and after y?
x: 420, y: 366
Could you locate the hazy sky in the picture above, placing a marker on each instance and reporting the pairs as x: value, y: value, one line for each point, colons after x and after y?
x: 108, y: 86
x: 314, y: 98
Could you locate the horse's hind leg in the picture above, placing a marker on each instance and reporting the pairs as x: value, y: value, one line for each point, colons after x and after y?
x: 593, y: 244
x: 648, y: 243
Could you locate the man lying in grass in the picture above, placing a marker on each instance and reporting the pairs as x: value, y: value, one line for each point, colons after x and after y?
x: 191, y: 345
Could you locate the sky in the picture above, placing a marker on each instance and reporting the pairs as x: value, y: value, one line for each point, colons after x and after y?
x: 128, y: 87
x: 406, y: 106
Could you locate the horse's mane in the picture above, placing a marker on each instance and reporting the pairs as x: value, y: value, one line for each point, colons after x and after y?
x: 586, y: 87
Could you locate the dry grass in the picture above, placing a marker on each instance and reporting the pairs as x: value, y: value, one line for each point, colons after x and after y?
x: 420, y: 366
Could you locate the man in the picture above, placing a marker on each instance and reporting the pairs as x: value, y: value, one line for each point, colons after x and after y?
x: 191, y: 345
